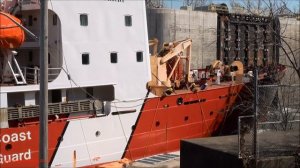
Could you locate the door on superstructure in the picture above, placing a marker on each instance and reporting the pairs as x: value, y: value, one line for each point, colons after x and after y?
x: 56, y: 96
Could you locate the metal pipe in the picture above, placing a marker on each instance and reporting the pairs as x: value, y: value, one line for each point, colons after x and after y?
x: 266, y: 86
x: 255, y: 111
x: 43, y: 146
x: 255, y: 114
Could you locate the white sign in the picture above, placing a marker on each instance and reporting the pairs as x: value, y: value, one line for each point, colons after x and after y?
x: 15, y: 137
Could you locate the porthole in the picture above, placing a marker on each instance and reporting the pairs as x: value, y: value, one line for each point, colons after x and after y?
x: 8, y: 147
x: 180, y: 101
x: 98, y: 133
x: 186, y: 118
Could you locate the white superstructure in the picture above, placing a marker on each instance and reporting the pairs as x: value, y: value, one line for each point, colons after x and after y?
x: 97, y: 50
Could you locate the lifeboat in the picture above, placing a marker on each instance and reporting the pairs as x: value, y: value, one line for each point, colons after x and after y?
x: 11, y: 35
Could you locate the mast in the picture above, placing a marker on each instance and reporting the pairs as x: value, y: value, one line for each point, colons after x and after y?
x: 43, y: 145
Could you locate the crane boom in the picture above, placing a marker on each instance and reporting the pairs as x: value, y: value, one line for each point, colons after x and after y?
x: 167, y: 66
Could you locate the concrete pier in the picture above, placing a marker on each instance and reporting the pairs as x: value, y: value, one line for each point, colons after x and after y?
x: 276, y: 149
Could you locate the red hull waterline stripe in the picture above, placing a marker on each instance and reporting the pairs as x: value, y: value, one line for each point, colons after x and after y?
x: 163, y: 122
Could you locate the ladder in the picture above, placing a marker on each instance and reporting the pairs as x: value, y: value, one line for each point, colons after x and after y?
x: 18, y: 76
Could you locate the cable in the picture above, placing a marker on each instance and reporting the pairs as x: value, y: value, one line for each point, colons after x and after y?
x: 163, y: 83
x: 202, y: 113
x: 134, y: 100
x: 227, y: 113
x: 70, y: 79
x: 127, y: 106
x: 51, y: 5
x: 86, y: 144
x: 124, y: 101
x: 149, y: 133
x: 126, y: 139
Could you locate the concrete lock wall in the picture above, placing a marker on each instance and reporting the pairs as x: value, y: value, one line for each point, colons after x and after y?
x: 290, y: 32
x: 168, y: 25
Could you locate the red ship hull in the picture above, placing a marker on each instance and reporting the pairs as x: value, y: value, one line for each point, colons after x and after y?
x: 20, y: 145
x: 163, y: 122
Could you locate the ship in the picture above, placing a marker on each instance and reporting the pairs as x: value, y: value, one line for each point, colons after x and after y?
x: 109, y: 98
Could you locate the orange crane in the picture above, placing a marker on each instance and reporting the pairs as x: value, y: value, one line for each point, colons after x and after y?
x: 167, y: 65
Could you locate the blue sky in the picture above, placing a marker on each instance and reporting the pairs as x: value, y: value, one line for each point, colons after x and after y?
x: 292, y: 4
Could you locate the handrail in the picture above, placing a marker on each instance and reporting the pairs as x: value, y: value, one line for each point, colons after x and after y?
x: 25, y: 2
x: 33, y: 77
x: 26, y: 112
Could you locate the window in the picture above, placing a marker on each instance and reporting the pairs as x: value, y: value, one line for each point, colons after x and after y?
x: 54, y: 19
x: 55, y: 96
x: 128, y: 20
x: 30, y: 56
x: 139, y: 56
x: 85, y: 58
x: 49, y: 58
x: 83, y: 19
x: 114, y: 57
x: 30, y: 20
x: 89, y: 92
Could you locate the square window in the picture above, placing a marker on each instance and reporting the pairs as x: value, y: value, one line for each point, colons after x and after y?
x: 128, y: 20
x: 114, y: 57
x: 30, y: 56
x: 30, y: 20
x: 83, y: 19
x: 139, y: 56
x: 89, y: 92
x: 85, y: 58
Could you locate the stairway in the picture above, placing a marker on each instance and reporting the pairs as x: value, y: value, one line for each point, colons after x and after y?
x: 13, y: 65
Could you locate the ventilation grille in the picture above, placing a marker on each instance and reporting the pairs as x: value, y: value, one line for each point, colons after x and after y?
x: 53, y: 109
x: 158, y: 159
x: 116, y: 0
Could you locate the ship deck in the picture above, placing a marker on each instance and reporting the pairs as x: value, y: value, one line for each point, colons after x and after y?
x: 158, y: 161
x: 209, y: 87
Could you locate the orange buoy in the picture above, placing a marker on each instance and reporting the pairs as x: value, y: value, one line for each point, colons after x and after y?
x: 11, y: 35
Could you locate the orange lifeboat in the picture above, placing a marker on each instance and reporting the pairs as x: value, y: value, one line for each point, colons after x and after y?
x: 11, y: 35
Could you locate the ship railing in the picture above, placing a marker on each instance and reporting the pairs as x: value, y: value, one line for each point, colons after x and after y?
x: 29, y: 2
x: 26, y: 112
x: 32, y: 74
x: 199, y: 74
